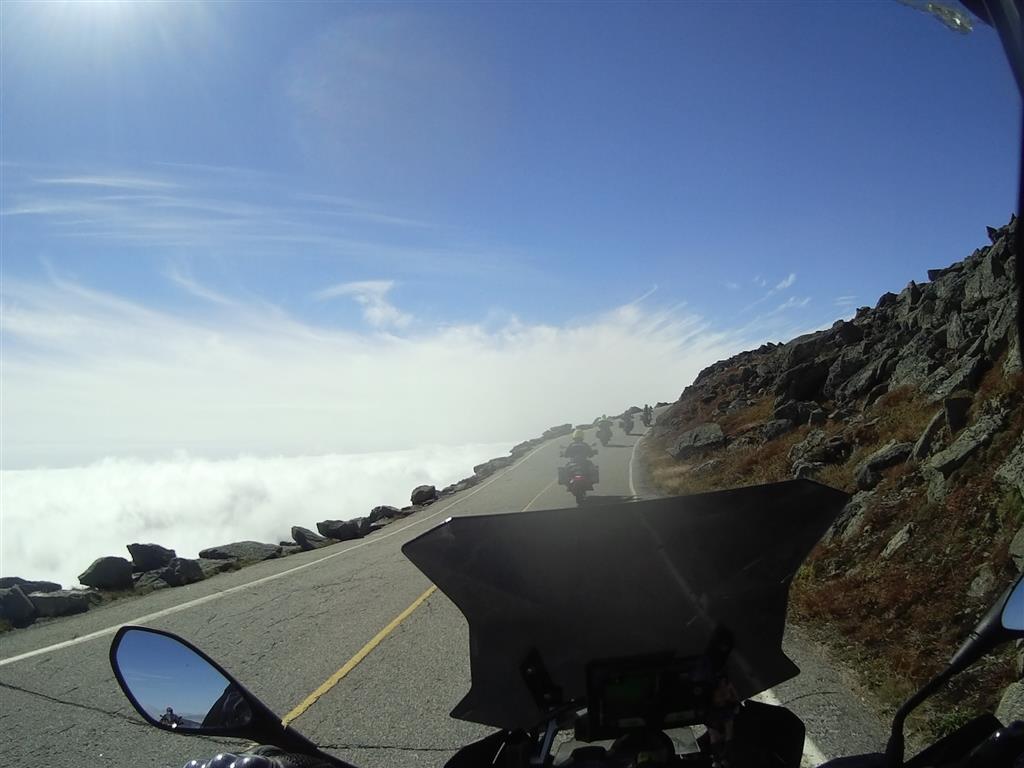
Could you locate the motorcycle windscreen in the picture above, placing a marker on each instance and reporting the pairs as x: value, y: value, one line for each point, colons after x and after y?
x: 591, y: 583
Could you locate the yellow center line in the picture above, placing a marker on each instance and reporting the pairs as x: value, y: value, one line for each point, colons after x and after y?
x: 352, y: 663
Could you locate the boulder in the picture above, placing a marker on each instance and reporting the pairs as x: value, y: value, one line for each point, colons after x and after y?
x: 150, y: 557
x: 108, y: 573
x: 804, y: 381
x: 955, y: 408
x: 868, y: 472
x: 902, y: 536
x: 384, y: 512
x: 181, y: 571
x: 290, y: 549
x: 560, y: 431
x: 213, y: 567
x: 147, y: 581
x: 423, y: 494
x: 340, y: 530
x: 926, y: 442
x: 15, y: 607
x: 307, y: 539
x: 968, y: 442
x: 1017, y: 549
x: 818, y: 448
x: 1011, y: 705
x: 492, y: 466
x: 701, y: 438
x: 242, y: 552
x: 28, y: 587
x: 965, y: 377
x: 63, y: 602
x: 776, y: 428
x: 1011, y: 471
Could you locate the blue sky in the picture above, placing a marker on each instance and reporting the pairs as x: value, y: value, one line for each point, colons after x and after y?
x: 388, y: 184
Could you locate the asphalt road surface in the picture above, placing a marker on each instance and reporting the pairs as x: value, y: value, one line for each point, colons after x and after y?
x: 284, y: 627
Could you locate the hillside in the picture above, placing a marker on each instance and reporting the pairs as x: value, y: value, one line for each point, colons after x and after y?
x: 915, y: 407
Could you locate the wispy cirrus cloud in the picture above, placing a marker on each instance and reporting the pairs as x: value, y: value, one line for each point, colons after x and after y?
x: 372, y: 295
x: 787, y: 282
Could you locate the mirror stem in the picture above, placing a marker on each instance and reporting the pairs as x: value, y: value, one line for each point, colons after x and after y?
x: 894, y: 748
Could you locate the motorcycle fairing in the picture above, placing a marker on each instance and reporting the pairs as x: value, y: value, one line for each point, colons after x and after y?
x: 623, y: 580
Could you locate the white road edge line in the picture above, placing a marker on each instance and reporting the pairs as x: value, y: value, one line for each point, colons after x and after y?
x: 811, y: 750
x: 249, y: 584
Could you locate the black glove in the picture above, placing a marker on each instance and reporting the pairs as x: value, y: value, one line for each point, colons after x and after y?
x: 261, y: 757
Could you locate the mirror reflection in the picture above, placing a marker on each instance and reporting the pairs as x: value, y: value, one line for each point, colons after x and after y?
x: 176, y: 687
x: 1013, y: 611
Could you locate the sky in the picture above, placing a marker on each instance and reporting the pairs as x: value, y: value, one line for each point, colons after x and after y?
x: 264, y: 230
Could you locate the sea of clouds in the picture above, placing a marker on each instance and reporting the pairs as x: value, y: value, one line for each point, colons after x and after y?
x: 55, y: 522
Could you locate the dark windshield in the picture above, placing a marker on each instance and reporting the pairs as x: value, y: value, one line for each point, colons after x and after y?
x: 583, y: 584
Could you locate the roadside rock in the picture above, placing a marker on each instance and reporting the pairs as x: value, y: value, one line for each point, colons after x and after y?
x: 307, y: 539
x: 64, y: 602
x: 15, y: 607
x: 902, y: 536
x: 559, y: 431
x: 701, y: 438
x: 181, y: 571
x: 982, y: 583
x: 868, y: 472
x: 1017, y: 549
x: 776, y: 428
x: 28, y: 587
x: 423, y: 494
x: 340, y: 530
x: 213, y: 567
x: 385, y: 512
x: 150, y: 557
x: 492, y: 466
x: 147, y: 581
x: 966, y: 376
x: 242, y: 552
x: 108, y: 573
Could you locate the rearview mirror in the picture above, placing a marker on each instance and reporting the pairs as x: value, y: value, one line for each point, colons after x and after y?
x: 175, y: 687
x: 1013, y: 612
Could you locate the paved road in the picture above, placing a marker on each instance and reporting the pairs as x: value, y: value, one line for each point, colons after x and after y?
x: 283, y: 627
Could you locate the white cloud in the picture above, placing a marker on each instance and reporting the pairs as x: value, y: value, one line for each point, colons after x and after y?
x: 189, y: 504
x: 372, y: 295
x: 845, y: 301
x: 793, y: 303
x: 787, y: 282
x: 89, y: 374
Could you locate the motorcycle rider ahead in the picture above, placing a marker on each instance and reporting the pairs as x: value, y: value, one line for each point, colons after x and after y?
x: 578, y: 452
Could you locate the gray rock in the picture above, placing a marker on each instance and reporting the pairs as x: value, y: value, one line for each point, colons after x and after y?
x: 147, y: 581
x: 492, y: 466
x: 1001, y: 326
x: 560, y: 431
x: 1014, y: 363
x: 701, y: 438
x: 786, y: 410
x: 423, y: 494
x: 213, y: 567
x: 1011, y: 705
x: 1017, y: 549
x: 807, y: 470
x: 855, y: 514
x: 290, y: 549
x: 955, y: 408
x: 64, y: 602
x: 966, y: 377
x: 28, y: 587
x: 982, y: 583
x: 902, y: 536
x: 181, y: 571
x: 915, y: 364
x: 385, y: 512
x: 15, y: 607
x: 242, y: 552
x: 968, y: 442
x: 817, y: 418
x: 804, y: 381
x: 340, y: 530
x: 776, y: 428
x: 847, y: 333
x: 876, y: 392
x: 926, y: 442
x: 308, y: 540
x: 1011, y: 471
x: 868, y: 472
x: 818, y: 448
x: 956, y: 335
x: 150, y: 557
x: 108, y: 573
x: 847, y: 364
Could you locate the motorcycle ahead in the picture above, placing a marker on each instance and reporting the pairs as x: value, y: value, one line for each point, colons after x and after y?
x: 688, y: 572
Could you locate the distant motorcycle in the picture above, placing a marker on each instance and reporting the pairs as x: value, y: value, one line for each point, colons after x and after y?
x: 604, y: 433
x: 579, y: 477
x: 645, y: 417
x: 626, y: 422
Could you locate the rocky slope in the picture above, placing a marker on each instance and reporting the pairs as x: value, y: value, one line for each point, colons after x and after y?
x: 915, y: 407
